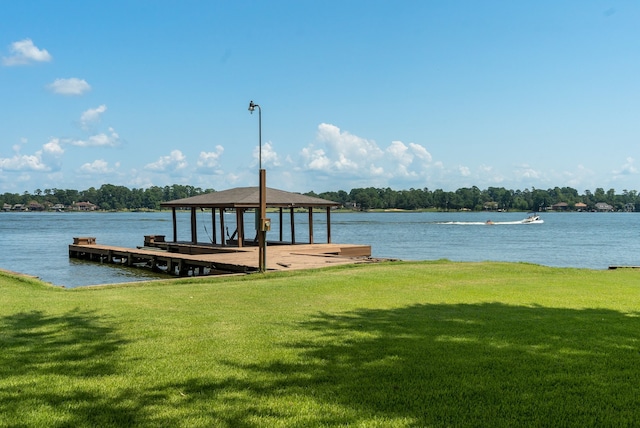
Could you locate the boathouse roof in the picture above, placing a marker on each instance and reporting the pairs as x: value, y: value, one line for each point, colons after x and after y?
x: 249, y: 197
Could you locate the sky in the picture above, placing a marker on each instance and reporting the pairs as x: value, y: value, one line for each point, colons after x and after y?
x: 399, y: 94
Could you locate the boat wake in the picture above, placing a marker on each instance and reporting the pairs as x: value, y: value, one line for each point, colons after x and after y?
x: 486, y: 223
x: 529, y: 220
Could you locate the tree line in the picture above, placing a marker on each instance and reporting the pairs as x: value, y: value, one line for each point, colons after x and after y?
x: 111, y: 197
x: 107, y: 197
x: 475, y: 199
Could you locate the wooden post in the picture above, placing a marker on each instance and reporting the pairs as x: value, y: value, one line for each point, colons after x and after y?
x: 310, y: 225
x: 280, y: 223
x: 194, y: 230
x: 223, y: 237
x: 293, y: 227
x: 240, y: 225
x: 328, y: 225
x: 262, y: 234
x: 214, y: 238
x: 175, y: 224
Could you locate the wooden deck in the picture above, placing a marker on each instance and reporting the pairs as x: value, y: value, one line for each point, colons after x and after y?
x: 183, y: 259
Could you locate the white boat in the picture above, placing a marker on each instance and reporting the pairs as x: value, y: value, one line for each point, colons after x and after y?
x: 533, y: 218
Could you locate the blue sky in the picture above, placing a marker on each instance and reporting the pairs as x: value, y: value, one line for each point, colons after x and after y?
x: 403, y: 94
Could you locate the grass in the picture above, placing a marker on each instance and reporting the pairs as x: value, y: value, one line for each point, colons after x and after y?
x: 386, y: 345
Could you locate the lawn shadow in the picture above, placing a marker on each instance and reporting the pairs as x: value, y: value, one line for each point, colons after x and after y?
x: 38, y: 349
x: 467, y: 364
x: 424, y: 365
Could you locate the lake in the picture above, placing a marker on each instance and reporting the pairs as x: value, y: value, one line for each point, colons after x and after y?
x: 37, y: 243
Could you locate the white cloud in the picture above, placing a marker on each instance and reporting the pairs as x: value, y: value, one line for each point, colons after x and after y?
x: 208, y: 161
x: 398, y: 151
x: 526, y: 172
x: 316, y: 159
x: 91, y: 116
x: 72, y: 86
x: 23, y: 162
x: 345, y: 152
x: 269, y: 155
x: 98, y: 166
x: 173, y: 162
x: 46, y: 159
x: 420, y: 152
x: 25, y: 52
x: 99, y: 140
x: 338, y: 152
x: 348, y: 145
x: 627, y: 168
x: 464, y: 171
x: 53, y: 148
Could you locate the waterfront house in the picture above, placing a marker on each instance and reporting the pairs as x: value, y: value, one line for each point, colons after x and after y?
x: 603, y: 207
x: 84, y: 206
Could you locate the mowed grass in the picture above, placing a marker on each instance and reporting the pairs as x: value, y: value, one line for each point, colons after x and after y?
x: 386, y: 345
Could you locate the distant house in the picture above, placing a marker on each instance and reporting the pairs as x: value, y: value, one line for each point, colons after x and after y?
x: 58, y: 207
x: 580, y: 206
x: 35, y: 206
x: 84, y: 206
x: 603, y: 207
x: 6, y: 207
x: 560, y: 206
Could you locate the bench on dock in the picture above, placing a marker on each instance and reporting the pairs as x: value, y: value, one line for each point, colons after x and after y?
x: 84, y: 240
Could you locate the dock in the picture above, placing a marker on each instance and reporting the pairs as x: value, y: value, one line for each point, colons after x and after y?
x: 187, y: 259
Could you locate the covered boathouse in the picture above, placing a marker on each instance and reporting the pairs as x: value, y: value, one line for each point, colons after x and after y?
x: 238, y: 253
x: 239, y: 201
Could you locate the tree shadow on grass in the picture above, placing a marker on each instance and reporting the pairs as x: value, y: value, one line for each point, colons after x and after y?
x: 424, y: 365
x: 468, y: 364
x: 38, y: 350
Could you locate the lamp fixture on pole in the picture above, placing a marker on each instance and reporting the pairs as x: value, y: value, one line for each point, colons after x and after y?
x: 263, y: 223
x: 252, y: 107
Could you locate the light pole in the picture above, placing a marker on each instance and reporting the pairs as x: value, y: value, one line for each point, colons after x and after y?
x: 263, y: 224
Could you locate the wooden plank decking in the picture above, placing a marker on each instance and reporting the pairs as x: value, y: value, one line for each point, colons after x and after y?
x: 221, y: 260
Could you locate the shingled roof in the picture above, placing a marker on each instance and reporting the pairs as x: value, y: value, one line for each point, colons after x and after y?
x: 249, y: 197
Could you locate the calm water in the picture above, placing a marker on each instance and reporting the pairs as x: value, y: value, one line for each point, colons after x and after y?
x: 37, y: 243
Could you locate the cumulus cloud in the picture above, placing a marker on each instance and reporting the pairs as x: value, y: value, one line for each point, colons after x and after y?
x: 111, y: 139
x: 91, y: 116
x: 420, y: 152
x: 208, y: 161
x: 349, y: 150
x: 24, y: 52
x: 22, y: 163
x: 98, y: 166
x: 269, y: 155
x: 316, y: 159
x: 526, y: 172
x: 45, y: 159
x: 345, y: 152
x: 464, y: 171
x: 53, y: 148
x: 338, y: 152
x: 72, y: 86
x: 628, y: 168
x: 173, y: 162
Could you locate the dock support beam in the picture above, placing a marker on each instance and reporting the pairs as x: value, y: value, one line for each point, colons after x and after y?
x: 310, y: 225
x: 194, y: 228
x: 328, y: 225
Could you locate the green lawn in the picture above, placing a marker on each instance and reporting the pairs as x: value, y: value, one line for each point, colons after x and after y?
x: 392, y: 344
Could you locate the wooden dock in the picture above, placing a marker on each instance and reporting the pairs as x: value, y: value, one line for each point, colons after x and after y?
x: 184, y: 259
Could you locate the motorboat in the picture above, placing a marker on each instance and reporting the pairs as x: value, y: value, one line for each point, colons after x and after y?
x: 532, y: 218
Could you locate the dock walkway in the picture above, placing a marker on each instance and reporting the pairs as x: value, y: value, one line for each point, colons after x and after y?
x: 216, y: 261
